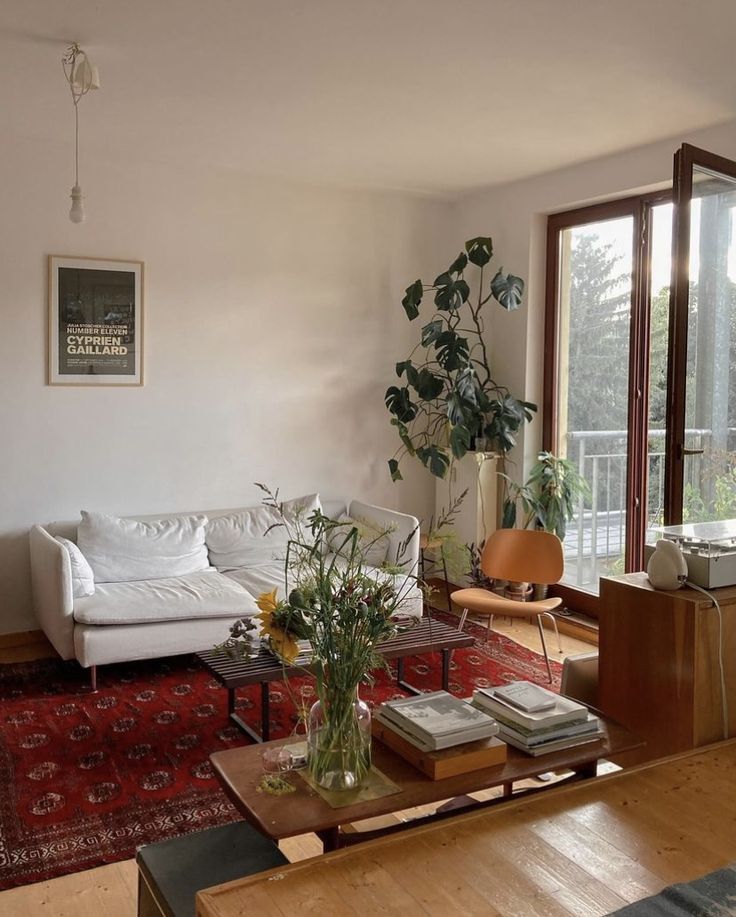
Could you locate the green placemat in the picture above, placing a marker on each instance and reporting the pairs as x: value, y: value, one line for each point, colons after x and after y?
x: 376, y: 785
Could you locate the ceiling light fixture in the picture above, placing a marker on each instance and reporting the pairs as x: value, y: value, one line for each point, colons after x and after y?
x: 81, y: 76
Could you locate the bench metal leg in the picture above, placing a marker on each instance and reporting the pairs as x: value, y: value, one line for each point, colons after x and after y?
x: 265, y: 733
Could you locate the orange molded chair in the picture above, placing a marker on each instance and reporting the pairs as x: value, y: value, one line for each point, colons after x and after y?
x: 520, y: 556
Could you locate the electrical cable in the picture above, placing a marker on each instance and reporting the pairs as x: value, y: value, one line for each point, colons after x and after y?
x: 724, y: 698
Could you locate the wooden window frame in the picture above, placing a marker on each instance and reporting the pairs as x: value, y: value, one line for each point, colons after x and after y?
x: 639, y: 208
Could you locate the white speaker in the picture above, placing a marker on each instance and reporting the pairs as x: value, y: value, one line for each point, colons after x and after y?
x: 667, y: 568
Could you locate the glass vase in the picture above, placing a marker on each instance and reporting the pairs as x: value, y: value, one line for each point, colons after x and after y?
x: 339, y: 743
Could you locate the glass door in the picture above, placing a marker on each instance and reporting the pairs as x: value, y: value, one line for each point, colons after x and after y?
x: 700, y: 476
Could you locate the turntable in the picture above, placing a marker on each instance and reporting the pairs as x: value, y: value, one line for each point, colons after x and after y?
x: 709, y: 549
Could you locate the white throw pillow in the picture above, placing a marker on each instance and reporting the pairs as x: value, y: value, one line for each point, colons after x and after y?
x: 83, y: 579
x: 252, y: 537
x: 373, y: 542
x: 126, y: 550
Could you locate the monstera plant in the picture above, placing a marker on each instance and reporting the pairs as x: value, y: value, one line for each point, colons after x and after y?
x: 447, y: 402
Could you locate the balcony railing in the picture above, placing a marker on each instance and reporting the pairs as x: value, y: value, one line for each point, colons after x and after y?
x: 596, y: 536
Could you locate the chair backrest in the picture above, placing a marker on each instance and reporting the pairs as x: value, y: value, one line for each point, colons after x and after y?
x: 523, y: 556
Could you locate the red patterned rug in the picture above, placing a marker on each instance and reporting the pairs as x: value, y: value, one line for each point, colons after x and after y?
x: 86, y: 778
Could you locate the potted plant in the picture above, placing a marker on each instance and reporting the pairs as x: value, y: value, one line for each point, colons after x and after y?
x: 448, y: 402
x: 548, y: 498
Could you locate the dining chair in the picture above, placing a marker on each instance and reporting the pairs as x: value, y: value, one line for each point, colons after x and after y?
x: 518, y: 556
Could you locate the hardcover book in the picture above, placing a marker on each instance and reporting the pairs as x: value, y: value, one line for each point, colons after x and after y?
x: 439, y: 720
x: 564, y: 711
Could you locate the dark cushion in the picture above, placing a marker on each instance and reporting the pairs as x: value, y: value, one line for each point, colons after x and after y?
x: 178, y: 868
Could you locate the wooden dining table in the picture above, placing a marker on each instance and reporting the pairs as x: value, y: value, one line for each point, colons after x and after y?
x: 583, y: 849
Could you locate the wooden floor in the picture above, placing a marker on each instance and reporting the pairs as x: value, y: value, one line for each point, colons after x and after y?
x: 581, y: 850
x: 112, y: 890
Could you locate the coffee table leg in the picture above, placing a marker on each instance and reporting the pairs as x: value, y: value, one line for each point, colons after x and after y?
x: 330, y: 838
x: 399, y: 670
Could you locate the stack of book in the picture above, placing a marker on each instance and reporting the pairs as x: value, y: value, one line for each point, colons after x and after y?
x: 536, y: 720
x: 439, y: 734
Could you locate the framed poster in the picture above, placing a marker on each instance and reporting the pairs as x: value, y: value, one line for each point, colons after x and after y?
x: 95, y: 321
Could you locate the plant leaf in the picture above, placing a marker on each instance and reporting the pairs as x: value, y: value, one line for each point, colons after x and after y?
x: 399, y: 403
x: 429, y: 386
x: 412, y: 298
x: 507, y: 290
x: 459, y: 440
x: 393, y: 467
x: 508, y: 520
x: 480, y: 250
x: 434, y: 459
x: 453, y: 351
x: 459, y: 264
x: 451, y: 294
x: 406, y: 366
x: 431, y: 332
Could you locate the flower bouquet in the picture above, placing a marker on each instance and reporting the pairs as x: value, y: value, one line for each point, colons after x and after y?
x: 335, y: 613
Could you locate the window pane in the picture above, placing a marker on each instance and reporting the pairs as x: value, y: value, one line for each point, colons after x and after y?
x: 661, y: 262
x: 710, y: 401
x: 594, y: 322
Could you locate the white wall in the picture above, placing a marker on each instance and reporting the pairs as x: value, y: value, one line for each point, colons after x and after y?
x: 515, y: 215
x: 272, y: 323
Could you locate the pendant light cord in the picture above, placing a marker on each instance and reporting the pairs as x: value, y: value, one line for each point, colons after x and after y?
x: 68, y: 63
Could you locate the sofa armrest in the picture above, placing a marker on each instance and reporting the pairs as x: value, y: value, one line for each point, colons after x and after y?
x: 51, y: 576
x: 403, y: 533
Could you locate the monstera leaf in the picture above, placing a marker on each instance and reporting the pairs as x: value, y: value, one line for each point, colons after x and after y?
x: 459, y: 440
x: 508, y: 290
x: 429, y: 386
x: 451, y: 294
x: 459, y: 264
x: 480, y: 250
x: 453, y: 351
x: 431, y: 332
x: 406, y: 366
x: 434, y: 459
x: 399, y: 403
x: 412, y: 298
x: 393, y: 467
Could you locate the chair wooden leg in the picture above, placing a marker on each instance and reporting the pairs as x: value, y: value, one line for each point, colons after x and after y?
x: 489, y: 629
x: 553, y: 619
x: 463, y: 618
x: 544, y: 647
x: 93, y: 678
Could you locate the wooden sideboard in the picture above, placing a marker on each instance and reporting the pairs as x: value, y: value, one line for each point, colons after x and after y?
x: 584, y: 849
x: 658, y: 665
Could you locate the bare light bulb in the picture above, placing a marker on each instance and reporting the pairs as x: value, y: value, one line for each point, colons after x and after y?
x: 76, y: 214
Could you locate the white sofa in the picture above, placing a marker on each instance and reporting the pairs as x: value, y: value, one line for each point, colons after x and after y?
x: 149, y: 618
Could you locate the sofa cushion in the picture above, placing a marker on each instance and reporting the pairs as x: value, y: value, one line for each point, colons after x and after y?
x: 129, y: 550
x: 373, y: 542
x: 207, y: 594
x: 248, y: 538
x: 83, y: 579
x: 257, y: 580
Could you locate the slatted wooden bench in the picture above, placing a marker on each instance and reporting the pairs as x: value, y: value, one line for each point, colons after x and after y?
x: 427, y: 636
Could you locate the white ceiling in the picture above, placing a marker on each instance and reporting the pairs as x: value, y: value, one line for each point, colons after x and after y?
x: 436, y: 96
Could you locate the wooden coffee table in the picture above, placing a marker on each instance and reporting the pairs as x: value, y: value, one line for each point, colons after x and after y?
x: 427, y: 636
x: 240, y: 771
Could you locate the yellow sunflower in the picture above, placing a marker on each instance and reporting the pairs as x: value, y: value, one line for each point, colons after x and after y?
x: 282, y: 643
